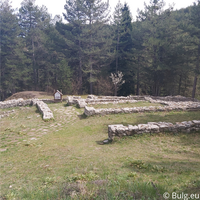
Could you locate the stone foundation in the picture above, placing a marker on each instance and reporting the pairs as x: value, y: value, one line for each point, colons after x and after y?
x: 15, y: 103
x: 92, y: 99
x: 43, y: 108
x: 169, y: 106
x: 71, y: 100
x: 152, y: 127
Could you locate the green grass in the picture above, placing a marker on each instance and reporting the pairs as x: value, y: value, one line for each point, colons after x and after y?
x: 125, y: 105
x: 64, y: 160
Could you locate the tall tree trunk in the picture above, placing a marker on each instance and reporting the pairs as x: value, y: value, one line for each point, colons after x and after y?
x: 194, y: 86
x: 80, y: 71
x: 196, y: 72
x: 115, y: 90
x: 155, y: 88
x: 91, y: 85
x: 1, y: 89
x: 117, y: 58
x: 138, y: 78
x: 34, y: 68
x: 90, y: 61
x: 91, y: 81
x: 80, y: 78
x: 180, y: 84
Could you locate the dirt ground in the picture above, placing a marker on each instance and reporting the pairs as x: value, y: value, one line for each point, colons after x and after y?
x: 31, y: 95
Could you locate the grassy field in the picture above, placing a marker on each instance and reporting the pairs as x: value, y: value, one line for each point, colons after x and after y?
x: 125, y: 105
x: 62, y: 158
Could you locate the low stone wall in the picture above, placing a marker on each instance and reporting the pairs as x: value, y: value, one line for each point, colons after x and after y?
x: 44, y: 109
x: 15, y: 103
x: 92, y: 99
x: 169, y: 106
x: 21, y: 102
x: 174, y: 98
x: 152, y: 127
x: 80, y: 103
x: 137, y: 97
x: 71, y: 100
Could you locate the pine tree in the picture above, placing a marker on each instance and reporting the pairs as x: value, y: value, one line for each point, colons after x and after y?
x: 33, y: 21
x: 195, y: 19
x: 87, y: 36
x: 96, y: 37
x: 125, y: 52
x: 9, y: 51
x: 76, y: 19
x: 138, y: 56
x: 161, y: 42
x: 118, y: 31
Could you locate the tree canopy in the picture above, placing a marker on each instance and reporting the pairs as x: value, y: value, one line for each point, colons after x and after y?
x: 158, y: 53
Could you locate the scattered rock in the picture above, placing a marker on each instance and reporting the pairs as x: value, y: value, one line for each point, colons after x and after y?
x: 2, y: 150
x: 33, y: 138
x: 107, y: 141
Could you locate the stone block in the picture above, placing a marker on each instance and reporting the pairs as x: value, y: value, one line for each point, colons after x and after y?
x: 154, y: 128
x: 133, y: 129
x: 44, y: 109
x: 89, y: 111
x: 81, y: 103
x: 196, y: 122
x: 143, y: 128
x: 126, y: 110
x: 112, y: 130
x: 164, y: 126
x: 180, y: 126
x: 121, y: 131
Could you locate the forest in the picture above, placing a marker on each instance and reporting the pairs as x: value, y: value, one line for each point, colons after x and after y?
x: 90, y: 50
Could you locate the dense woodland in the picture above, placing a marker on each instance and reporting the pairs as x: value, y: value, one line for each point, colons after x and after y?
x: 157, y: 54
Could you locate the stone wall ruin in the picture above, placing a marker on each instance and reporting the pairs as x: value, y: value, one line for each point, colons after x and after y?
x: 42, y: 107
x: 152, y: 127
x: 168, y: 106
x: 15, y: 103
x: 169, y: 103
